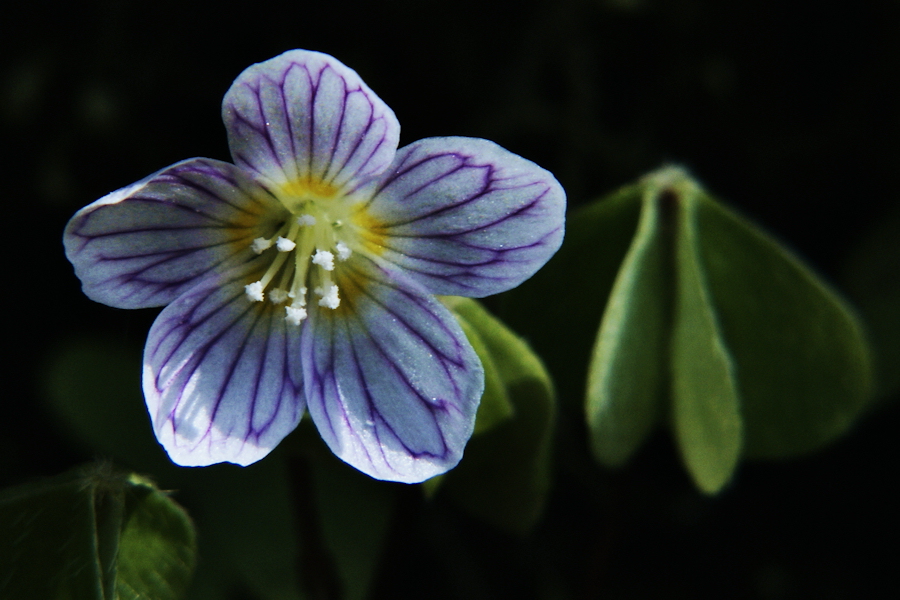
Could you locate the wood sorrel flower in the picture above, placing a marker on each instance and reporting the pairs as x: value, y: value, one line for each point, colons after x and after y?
x: 302, y: 277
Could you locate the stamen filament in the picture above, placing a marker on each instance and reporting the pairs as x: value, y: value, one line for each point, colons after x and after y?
x: 310, y: 235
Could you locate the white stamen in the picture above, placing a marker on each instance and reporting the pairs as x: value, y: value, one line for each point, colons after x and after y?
x: 302, y: 296
x: 254, y: 291
x: 284, y: 244
x: 329, y: 297
x: 277, y: 296
x: 294, y: 315
x: 301, y: 243
x: 260, y: 245
x: 324, y: 259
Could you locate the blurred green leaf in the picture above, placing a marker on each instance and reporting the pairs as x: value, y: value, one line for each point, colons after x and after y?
x: 93, y: 386
x: 93, y: 534
x: 761, y: 357
x: 49, y: 542
x: 354, y: 512
x: 157, y: 548
x: 505, y: 474
x: 495, y: 406
x: 802, y: 362
x: 871, y: 276
x: 245, y: 514
x: 250, y: 538
x: 626, y: 376
x: 705, y: 403
x: 566, y: 299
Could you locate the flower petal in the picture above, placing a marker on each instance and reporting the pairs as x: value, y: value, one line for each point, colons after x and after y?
x: 147, y: 243
x: 222, y: 375
x: 305, y: 117
x: 391, y: 381
x: 466, y: 217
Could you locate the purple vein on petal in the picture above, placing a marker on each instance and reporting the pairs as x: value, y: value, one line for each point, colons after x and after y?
x: 212, y: 195
x: 323, y: 377
x: 357, y: 144
x: 190, y: 317
x: 365, y: 392
x: 313, y: 78
x: 430, y: 406
x: 469, y: 269
x: 285, y: 109
x: 372, y: 121
x: 344, y: 333
x: 337, y: 135
x: 174, y: 208
x: 268, y: 336
x: 311, y: 111
x: 240, y: 347
x: 468, y: 200
x: 237, y: 347
x: 164, y: 257
x: 242, y: 158
x: 375, y: 416
x: 399, y: 171
x: 399, y: 315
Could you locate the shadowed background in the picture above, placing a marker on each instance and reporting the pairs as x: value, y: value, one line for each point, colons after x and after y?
x: 787, y: 113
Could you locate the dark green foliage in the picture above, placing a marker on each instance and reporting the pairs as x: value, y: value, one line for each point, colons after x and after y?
x: 94, y: 534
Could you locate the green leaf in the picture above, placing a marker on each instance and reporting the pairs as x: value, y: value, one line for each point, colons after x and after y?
x: 568, y: 296
x: 48, y: 542
x: 495, y: 406
x: 93, y: 386
x: 354, y: 513
x: 93, y: 534
x: 762, y: 358
x: 505, y: 473
x: 250, y: 539
x: 801, y: 359
x: 245, y: 514
x: 157, y: 546
x: 626, y: 376
x: 872, y: 283
x: 705, y: 403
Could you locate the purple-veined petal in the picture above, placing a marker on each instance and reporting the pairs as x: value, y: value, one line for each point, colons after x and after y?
x: 466, y: 217
x: 222, y: 376
x: 391, y: 381
x: 145, y: 244
x: 305, y: 117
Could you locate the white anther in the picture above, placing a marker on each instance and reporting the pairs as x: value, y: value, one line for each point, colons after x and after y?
x: 254, y: 291
x: 343, y: 251
x: 284, y: 244
x: 306, y: 220
x: 329, y: 297
x: 324, y: 259
x: 277, y: 296
x: 260, y: 245
x: 294, y: 315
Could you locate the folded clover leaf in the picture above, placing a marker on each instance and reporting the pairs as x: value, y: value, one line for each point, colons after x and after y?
x: 680, y: 313
x: 301, y: 278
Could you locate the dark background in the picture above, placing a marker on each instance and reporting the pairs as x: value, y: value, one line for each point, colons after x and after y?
x: 786, y: 110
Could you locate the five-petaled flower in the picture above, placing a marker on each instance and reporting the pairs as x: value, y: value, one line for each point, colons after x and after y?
x: 301, y: 278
